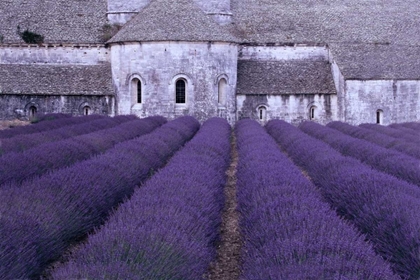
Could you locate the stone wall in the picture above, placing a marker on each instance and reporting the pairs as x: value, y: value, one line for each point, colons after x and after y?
x: 398, y: 100
x: 296, y: 52
x: 121, y: 11
x: 54, y: 54
x: 291, y: 108
x: 158, y: 65
x: 18, y: 106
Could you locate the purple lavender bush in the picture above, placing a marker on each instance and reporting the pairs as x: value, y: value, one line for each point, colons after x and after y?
x: 168, y: 229
x: 44, y: 126
x: 24, y: 142
x: 405, y: 129
x: 378, y: 138
x: 412, y: 125
x: 61, y: 207
x: 387, y: 130
x: 381, y: 206
x: 289, y: 232
x: 389, y: 161
x: 18, y: 167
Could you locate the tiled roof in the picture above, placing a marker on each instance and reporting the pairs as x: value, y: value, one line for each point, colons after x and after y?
x: 56, y: 79
x: 328, y: 21
x: 284, y: 77
x: 179, y: 20
x: 377, y: 61
x: 59, y: 21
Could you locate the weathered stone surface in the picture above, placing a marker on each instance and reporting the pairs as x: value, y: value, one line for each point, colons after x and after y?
x: 159, y: 65
x: 18, y: 106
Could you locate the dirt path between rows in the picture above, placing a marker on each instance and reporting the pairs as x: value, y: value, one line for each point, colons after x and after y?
x: 227, y: 264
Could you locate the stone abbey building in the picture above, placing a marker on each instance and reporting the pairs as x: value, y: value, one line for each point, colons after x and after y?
x: 350, y: 60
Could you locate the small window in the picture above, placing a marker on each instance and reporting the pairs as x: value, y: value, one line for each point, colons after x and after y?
x: 86, y: 110
x: 222, y: 92
x: 32, y: 112
x: 379, y: 116
x: 136, y: 91
x: 180, y: 92
x: 312, y: 112
x: 262, y: 113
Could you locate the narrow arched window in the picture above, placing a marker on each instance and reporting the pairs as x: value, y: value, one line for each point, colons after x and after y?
x: 180, y: 92
x: 222, y: 92
x: 262, y: 113
x: 379, y: 117
x: 139, y: 91
x: 86, y: 110
x: 136, y: 91
x: 312, y: 112
x: 32, y: 112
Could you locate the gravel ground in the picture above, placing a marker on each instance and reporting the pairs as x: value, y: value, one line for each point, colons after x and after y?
x: 227, y: 264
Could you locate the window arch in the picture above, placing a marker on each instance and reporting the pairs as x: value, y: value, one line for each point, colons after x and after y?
x: 87, y: 110
x: 312, y: 113
x: 379, y: 116
x: 222, y: 88
x: 136, y: 91
x: 262, y: 113
x: 180, y: 91
x: 32, y: 112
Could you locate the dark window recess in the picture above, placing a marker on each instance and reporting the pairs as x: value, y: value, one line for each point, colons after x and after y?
x: 86, y: 110
x: 180, y: 91
x: 138, y: 92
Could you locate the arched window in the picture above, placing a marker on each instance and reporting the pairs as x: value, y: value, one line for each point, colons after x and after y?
x: 180, y: 90
x: 86, y: 110
x: 222, y: 92
x: 379, y: 117
x: 136, y: 91
x: 312, y: 112
x: 262, y: 113
x: 32, y: 112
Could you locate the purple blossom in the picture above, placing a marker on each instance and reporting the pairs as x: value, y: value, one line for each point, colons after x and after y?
x: 45, y: 126
x: 168, y: 228
x: 381, y: 206
x: 26, y: 141
x: 18, y: 167
x: 289, y: 232
x: 389, y: 161
x: 58, y: 208
x: 399, y: 134
x: 380, y: 139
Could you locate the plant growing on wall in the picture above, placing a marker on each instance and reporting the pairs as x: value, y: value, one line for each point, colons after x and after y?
x: 109, y: 30
x: 30, y: 37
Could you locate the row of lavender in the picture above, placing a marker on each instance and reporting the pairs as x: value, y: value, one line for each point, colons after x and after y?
x: 24, y: 142
x: 46, y: 125
x: 381, y: 206
x: 169, y: 227
x: 386, y: 160
x: 289, y: 232
x: 40, y: 219
x: 18, y: 167
x: 409, y: 148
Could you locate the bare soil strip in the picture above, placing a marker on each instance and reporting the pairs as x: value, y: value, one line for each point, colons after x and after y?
x: 12, y: 123
x: 227, y: 264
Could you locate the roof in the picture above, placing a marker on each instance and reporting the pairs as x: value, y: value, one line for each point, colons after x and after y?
x: 284, y: 77
x: 56, y: 79
x: 377, y: 61
x: 179, y: 20
x: 59, y: 21
x: 328, y: 21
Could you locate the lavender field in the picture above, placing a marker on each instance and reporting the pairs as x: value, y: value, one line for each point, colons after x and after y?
x: 126, y: 198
